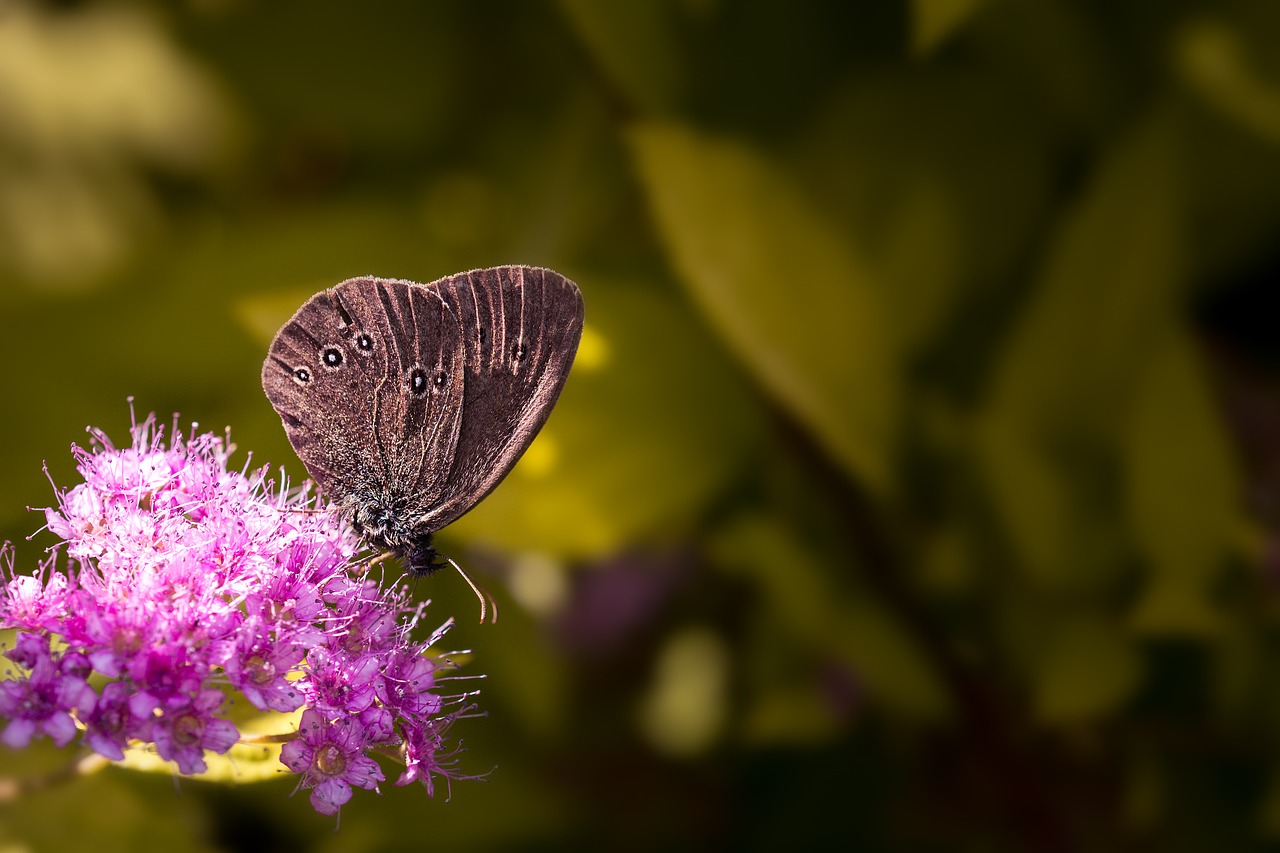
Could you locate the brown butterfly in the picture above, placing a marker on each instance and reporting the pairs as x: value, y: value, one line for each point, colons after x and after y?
x: 408, y: 403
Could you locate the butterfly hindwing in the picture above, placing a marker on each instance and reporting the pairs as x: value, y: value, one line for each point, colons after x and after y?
x: 520, y: 332
x: 418, y: 404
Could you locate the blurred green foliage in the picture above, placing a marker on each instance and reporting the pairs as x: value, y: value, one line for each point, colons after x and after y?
x: 917, y: 486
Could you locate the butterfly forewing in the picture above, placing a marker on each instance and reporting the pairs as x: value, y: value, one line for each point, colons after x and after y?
x: 357, y: 422
x: 295, y: 376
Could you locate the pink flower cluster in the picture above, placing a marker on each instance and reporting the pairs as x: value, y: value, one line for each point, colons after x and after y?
x: 192, y: 581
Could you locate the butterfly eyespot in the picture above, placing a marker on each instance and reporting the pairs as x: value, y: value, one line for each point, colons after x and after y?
x: 302, y: 376
x: 519, y: 351
x: 365, y: 343
x: 483, y: 334
x: 332, y: 357
x: 418, y: 381
x: 440, y: 379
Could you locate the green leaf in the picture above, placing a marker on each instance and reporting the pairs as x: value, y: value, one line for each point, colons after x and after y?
x: 1113, y: 275
x: 1087, y: 669
x: 104, y: 812
x: 934, y: 21
x: 1214, y: 59
x: 921, y: 258
x: 784, y: 713
x: 1268, y: 808
x: 76, y: 205
x: 1068, y: 375
x: 829, y: 619
x: 1183, y: 491
x: 1142, y: 802
x: 940, y: 182
x: 633, y: 41
x: 781, y: 286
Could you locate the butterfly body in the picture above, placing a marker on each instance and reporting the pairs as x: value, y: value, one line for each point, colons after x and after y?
x: 408, y: 403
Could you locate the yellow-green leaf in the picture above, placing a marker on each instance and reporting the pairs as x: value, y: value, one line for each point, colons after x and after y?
x: 781, y: 285
x: 103, y: 812
x: 934, y: 21
x: 829, y: 619
x: 1087, y: 670
x: 1069, y: 373
x: 633, y: 41
x: 1183, y: 490
x: 1214, y: 59
x: 1112, y: 276
x: 1268, y: 808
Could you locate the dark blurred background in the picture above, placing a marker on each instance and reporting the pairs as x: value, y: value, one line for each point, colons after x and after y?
x: 917, y: 484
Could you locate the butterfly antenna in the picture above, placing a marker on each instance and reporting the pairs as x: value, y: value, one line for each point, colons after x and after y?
x: 486, y: 600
